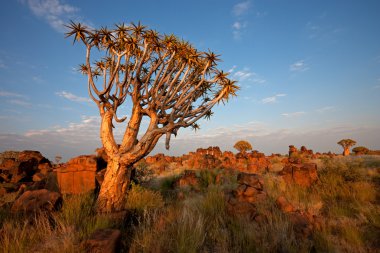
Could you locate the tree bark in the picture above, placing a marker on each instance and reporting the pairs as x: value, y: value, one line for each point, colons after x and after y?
x: 113, y: 191
x: 346, y: 151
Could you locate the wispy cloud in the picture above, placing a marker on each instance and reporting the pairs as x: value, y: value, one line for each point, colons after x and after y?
x: 239, y: 26
x: 273, y: 99
x: 237, y: 29
x: 299, y: 66
x: 54, y: 12
x: 245, y: 74
x: 241, y: 8
x: 325, y: 109
x: 11, y: 94
x: 20, y: 102
x: 72, y: 97
x: 293, y: 114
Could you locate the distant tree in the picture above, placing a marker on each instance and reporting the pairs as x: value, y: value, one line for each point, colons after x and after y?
x: 360, y: 150
x: 243, y: 146
x: 58, y: 158
x: 346, y: 144
x: 160, y: 77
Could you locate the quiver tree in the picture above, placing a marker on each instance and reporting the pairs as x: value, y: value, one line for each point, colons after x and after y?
x: 360, y: 150
x: 346, y: 144
x: 160, y: 77
x: 243, y: 146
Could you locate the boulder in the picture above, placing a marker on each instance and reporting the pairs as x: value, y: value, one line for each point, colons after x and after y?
x: 301, y: 174
x: 188, y: 179
x: 252, y: 180
x: 103, y: 241
x: 77, y: 175
x: 284, y: 205
x: 243, y: 199
x: 33, y: 201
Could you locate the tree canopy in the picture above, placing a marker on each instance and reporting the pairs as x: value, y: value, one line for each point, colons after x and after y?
x: 165, y: 78
x: 243, y: 146
x: 346, y: 143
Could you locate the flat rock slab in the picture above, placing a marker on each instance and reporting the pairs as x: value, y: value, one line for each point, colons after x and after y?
x: 33, y: 201
x: 103, y: 241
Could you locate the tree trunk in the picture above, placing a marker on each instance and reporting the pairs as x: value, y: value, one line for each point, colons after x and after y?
x: 346, y: 151
x: 113, y: 191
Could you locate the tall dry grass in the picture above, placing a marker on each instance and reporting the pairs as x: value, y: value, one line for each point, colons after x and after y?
x: 52, y: 232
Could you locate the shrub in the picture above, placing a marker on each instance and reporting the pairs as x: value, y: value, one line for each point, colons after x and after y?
x: 140, y: 199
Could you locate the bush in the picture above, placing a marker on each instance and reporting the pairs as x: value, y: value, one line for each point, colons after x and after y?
x: 141, y: 199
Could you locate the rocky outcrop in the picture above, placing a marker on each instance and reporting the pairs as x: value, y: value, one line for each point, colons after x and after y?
x: 304, y: 223
x: 301, y: 174
x: 18, y: 167
x: 250, y: 191
x: 34, y: 201
x: 188, y: 179
x: 20, y: 171
x: 212, y: 158
x: 77, y: 175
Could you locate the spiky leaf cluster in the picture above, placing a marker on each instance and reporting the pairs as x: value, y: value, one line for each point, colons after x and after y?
x: 166, y: 78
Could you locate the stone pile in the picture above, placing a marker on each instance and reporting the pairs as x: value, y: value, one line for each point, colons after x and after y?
x: 250, y: 191
x: 212, y: 158
x: 26, y: 168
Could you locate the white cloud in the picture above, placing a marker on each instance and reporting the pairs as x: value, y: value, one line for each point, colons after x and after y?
x: 241, y: 8
x: 273, y: 99
x: 237, y: 25
x: 293, y: 114
x: 299, y: 66
x: 72, y: 97
x: 325, y: 109
x: 11, y: 94
x: 246, y: 75
x: 232, y: 69
x: 54, y: 12
x: 19, y: 102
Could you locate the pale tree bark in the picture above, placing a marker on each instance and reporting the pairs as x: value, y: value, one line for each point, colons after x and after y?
x: 166, y: 79
x: 346, y: 151
x: 113, y: 191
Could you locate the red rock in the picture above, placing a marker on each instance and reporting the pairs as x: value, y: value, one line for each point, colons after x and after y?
x: 8, y: 164
x: 284, y: 205
x: 189, y: 178
x: 103, y: 241
x: 38, y: 177
x: 252, y: 180
x: 33, y: 201
x: 250, y: 191
x: 300, y: 174
x: 77, y: 175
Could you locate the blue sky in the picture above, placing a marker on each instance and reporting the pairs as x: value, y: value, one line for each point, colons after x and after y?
x: 309, y: 72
